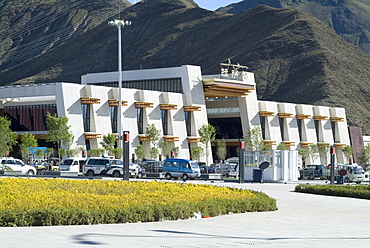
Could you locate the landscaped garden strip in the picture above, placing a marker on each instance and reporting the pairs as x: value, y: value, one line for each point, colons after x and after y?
x: 356, y: 191
x: 28, y: 202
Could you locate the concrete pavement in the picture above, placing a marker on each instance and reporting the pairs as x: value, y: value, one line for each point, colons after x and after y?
x: 303, y: 220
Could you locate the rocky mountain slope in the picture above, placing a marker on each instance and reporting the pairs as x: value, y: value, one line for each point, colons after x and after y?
x: 295, y: 57
x: 349, y: 18
x: 30, y: 28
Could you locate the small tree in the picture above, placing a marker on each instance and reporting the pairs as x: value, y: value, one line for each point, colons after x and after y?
x: 117, y: 152
x: 364, y: 158
x: 304, y: 153
x: 8, y: 137
x: 154, y: 152
x: 108, y: 142
x: 58, y: 131
x: 95, y: 152
x: 323, y: 151
x: 153, y: 134
x: 28, y: 140
x: 348, y: 152
x: 253, y: 140
x: 281, y: 146
x: 197, y: 152
x: 207, y: 134
x: 221, y: 149
x: 165, y: 149
x: 140, y: 152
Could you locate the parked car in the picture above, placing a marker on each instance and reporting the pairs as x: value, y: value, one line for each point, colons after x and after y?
x: 72, y: 165
x: 228, y: 170
x: 152, y: 166
x: 95, y: 166
x: 41, y: 167
x: 115, y: 169
x: 313, y: 171
x: 184, y: 168
x: 17, y: 166
x: 355, y: 173
x: 206, y: 169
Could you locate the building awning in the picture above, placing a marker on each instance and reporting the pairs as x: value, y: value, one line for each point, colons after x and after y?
x: 224, y: 88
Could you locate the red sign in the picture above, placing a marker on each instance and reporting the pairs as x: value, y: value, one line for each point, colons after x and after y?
x: 342, y: 172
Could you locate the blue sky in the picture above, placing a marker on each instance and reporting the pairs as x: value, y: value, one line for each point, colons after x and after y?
x: 207, y: 4
x: 215, y: 4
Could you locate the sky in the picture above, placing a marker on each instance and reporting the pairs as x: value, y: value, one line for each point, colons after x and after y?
x: 207, y: 4
x: 215, y: 4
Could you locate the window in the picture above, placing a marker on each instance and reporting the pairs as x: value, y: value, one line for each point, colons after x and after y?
x: 113, y: 111
x: 140, y: 120
x: 227, y: 128
x: 188, y: 122
x: 299, y: 123
x: 29, y: 117
x: 333, y: 130
x: 282, y: 129
x: 317, y: 129
x: 164, y: 115
x: 263, y: 126
x: 86, y: 116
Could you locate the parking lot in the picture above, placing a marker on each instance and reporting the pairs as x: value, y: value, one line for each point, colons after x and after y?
x: 303, y: 220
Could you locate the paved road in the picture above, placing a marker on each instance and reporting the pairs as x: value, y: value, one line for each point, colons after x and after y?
x: 303, y: 220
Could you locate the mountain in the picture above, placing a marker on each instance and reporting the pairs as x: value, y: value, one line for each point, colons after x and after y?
x: 295, y: 57
x: 30, y: 28
x: 349, y: 18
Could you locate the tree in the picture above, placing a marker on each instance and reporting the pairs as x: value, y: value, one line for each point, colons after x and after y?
x: 154, y: 152
x: 140, y: 152
x: 28, y: 140
x: 323, y: 151
x: 58, y: 131
x: 8, y: 137
x: 165, y: 149
x: 197, y: 152
x: 207, y: 134
x: 364, y: 158
x: 153, y: 134
x: 95, y: 152
x: 221, y: 149
x: 309, y: 152
x: 253, y: 140
x: 348, y: 152
x: 281, y: 146
x: 117, y: 152
x: 108, y: 142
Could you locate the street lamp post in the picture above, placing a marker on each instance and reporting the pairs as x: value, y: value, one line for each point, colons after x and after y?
x: 119, y: 23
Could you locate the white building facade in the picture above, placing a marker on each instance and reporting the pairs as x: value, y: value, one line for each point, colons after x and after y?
x: 178, y: 101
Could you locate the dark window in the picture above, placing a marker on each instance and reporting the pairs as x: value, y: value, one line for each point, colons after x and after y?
x: 86, y: 116
x: 87, y: 142
x: 188, y: 122
x: 333, y: 130
x: 299, y: 123
x: 317, y: 129
x: 164, y: 84
x: 164, y: 115
x: 282, y: 122
x: 140, y: 120
x: 30, y: 117
x: 113, y: 110
x: 227, y: 128
x: 263, y: 126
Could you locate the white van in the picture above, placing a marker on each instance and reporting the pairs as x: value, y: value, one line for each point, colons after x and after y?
x: 12, y: 166
x: 72, y: 165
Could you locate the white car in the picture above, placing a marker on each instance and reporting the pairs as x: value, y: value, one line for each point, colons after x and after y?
x: 117, y: 170
x: 17, y: 167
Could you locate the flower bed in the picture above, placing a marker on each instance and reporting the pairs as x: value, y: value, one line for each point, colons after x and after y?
x: 356, y: 191
x: 44, y: 202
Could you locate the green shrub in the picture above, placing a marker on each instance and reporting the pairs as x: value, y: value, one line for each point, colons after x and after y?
x: 356, y: 191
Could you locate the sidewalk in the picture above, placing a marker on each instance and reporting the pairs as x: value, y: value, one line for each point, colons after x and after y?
x: 303, y: 220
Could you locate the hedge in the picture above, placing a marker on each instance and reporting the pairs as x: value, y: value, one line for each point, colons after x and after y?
x: 46, y: 202
x: 356, y: 191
